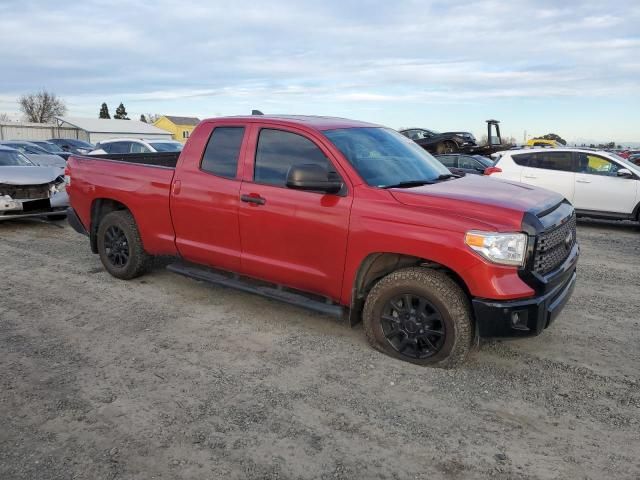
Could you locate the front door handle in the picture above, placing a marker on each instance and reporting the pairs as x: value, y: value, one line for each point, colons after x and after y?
x: 253, y: 198
x: 583, y: 181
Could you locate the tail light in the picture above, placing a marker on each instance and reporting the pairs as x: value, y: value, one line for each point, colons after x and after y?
x: 490, y: 170
x: 67, y: 176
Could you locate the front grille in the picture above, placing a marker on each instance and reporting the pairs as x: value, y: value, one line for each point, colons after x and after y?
x: 26, y: 192
x: 553, y: 246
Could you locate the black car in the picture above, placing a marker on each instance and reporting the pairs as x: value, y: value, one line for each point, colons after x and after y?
x: 51, y: 148
x: 73, y: 145
x: 435, y: 142
x: 458, y: 162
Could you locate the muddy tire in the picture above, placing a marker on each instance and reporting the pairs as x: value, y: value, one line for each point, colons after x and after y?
x: 420, y: 316
x: 446, y: 147
x: 120, y: 247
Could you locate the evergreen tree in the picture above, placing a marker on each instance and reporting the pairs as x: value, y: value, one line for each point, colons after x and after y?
x: 104, y: 111
x: 121, y: 113
x: 143, y: 118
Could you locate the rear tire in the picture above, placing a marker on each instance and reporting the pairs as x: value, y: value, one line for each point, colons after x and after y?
x: 420, y: 316
x: 120, y: 247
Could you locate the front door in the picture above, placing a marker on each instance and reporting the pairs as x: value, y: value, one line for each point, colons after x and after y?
x: 292, y: 237
x: 599, y: 188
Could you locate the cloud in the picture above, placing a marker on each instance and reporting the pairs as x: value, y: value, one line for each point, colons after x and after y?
x: 303, y: 54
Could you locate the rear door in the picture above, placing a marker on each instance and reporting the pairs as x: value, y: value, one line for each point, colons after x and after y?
x: 292, y: 237
x: 552, y: 170
x: 599, y: 188
x: 205, y: 198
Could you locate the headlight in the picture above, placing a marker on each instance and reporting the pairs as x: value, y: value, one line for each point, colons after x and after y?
x: 502, y: 248
x: 58, y: 187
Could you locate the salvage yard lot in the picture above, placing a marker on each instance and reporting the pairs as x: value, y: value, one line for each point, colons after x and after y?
x: 165, y: 377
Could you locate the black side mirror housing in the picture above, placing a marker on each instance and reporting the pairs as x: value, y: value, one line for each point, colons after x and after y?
x: 312, y: 177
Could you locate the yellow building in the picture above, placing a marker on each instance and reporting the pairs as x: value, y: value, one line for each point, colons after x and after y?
x: 180, y: 127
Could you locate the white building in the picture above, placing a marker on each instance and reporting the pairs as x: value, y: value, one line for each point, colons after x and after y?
x: 96, y: 129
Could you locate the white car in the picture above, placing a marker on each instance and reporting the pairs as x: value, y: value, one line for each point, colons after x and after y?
x: 597, y: 183
x: 135, y: 145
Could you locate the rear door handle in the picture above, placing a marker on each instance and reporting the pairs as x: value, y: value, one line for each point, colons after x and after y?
x: 583, y: 181
x: 530, y: 176
x: 253, y: 198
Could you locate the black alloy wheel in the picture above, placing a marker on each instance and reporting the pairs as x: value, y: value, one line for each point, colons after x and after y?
x: 116, y: 246
x: 413, y: 326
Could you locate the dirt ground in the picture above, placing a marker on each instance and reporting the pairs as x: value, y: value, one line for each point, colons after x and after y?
x: 166, y: 377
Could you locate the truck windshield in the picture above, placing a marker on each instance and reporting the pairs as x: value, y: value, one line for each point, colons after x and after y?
x: 13, y: 159
x: 384, y: 157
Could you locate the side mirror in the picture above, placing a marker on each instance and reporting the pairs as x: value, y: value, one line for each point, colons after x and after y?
x: 312, y: 177
x: 625, y: 173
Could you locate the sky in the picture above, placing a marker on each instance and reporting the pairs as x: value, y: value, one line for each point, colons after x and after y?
x: 571, y: 67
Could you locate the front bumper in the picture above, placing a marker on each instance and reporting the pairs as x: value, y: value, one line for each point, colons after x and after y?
x: 14, y: 209
x: 522, y: 318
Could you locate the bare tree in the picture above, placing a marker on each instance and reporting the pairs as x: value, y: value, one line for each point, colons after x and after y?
x: 42, y: 106
x: 152, y: 117
x: 4, y: 118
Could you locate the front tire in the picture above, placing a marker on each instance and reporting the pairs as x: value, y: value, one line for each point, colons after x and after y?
x: 420, y: 316
x: 120, y: 247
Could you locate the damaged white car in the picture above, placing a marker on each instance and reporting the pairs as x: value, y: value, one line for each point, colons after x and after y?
x: 28, y: 190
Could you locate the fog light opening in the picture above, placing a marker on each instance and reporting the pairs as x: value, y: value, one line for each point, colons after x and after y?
x: 519, y: 320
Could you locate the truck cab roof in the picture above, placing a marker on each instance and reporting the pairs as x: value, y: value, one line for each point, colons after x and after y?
x: 315, y: 122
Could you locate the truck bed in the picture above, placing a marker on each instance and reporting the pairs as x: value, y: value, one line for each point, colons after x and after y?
x: 160, y: 159
x: 141, y: 182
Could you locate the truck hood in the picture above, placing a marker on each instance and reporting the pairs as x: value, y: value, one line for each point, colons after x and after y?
x: 28, y: 175
x: 498, y: 203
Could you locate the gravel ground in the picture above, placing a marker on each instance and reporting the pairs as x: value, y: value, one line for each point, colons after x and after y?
x: 165, y: 377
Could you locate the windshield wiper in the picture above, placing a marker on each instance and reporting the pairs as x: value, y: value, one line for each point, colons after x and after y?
x: 409, y: 184
x: 444, y: 176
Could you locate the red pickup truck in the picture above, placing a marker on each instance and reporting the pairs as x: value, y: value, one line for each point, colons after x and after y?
x: 343, y: 217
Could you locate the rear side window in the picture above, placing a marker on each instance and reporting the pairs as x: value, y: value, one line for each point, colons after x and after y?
x: 522, y: 159
x: 562, y: 161
x: 222, y: 152
x: 277, y: 151
x: 139, y: 148
x: 118, y: 147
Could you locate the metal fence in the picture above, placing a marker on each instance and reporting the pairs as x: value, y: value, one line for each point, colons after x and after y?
x: 39, y: 131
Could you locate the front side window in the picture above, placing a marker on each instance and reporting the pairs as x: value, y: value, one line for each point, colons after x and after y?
x: 279, y: 150
x: 448, y: 160
x: 596, y: 165
x: 384, y: 157
x: 223, y: 151
x: 469, y: 163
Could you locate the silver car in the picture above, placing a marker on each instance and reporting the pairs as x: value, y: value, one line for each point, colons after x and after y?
x: 36, y: 154
x: 28, y: 190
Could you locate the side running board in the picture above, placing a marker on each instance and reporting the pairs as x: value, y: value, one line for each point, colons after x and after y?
x: 276, y: 292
